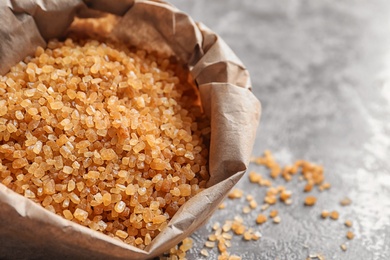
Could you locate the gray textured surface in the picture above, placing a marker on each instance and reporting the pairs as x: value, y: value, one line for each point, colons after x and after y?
x: 322, y: 72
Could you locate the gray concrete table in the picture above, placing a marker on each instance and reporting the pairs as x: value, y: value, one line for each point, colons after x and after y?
x: 322, y: 72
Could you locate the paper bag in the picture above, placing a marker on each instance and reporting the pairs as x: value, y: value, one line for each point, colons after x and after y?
x: 27, y: 230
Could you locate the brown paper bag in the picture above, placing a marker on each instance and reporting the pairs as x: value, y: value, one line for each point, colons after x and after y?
x: 27, y: 230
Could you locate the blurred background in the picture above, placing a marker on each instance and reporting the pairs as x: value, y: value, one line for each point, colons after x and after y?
x: 322, y: 72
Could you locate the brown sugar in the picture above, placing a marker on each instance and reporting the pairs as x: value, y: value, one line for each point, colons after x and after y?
x: 348, y: 223
x: 109, y: 137
x: 325, y: 214
x: 350, y: 235
x: 312, y: 174
x: 310, y: 200
x: 261, y: 218
x: 235, y: 194
x: 345, y: 202
x: 334, y: 215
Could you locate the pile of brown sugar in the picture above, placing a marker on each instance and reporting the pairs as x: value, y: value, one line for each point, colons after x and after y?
x: 105, y: 136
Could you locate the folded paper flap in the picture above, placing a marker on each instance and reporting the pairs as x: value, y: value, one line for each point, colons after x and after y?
x: 160, y: 27
x: 46, y: 16
x: 208, y: 36
x: 224, y: 86
x: 234, y: 116
x: 17, y: 41
x: 219, y: 61
x: 216, y: 72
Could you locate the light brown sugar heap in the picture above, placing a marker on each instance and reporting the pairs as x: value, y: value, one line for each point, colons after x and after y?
x: 110, y: 138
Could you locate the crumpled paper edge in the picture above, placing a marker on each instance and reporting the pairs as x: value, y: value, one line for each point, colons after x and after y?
x: 224, y: 86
